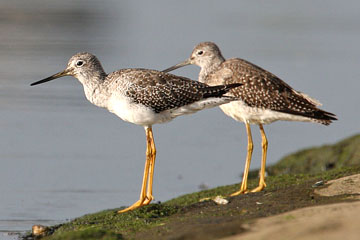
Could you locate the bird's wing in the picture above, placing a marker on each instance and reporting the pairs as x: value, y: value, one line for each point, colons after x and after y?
x: 263, y: 89
x: 162, y: 91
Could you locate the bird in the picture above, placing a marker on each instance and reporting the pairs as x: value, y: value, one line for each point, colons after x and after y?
x: 264, y: 98
x: 144, y: 97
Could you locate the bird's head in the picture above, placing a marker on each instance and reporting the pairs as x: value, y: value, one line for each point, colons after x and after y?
x: 203, y: 55
x: 82, y: 66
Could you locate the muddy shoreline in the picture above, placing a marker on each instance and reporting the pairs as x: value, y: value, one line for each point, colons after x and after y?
x: 190, y: 217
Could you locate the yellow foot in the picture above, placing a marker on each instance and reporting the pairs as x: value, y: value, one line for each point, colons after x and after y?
x: 139, y: 203
x: 259, y: 188
x: 241, y: 191
x: 148, y: 200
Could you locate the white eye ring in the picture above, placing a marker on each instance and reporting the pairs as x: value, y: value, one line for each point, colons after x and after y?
x: 79, y: 63
x: 200, y: 52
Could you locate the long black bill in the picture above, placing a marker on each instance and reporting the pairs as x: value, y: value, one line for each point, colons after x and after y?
x: 179, y: 65
x: 55, y: 76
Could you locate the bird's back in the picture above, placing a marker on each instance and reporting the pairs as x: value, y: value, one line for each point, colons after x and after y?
x: 263, y: 90
x: 161, y: 91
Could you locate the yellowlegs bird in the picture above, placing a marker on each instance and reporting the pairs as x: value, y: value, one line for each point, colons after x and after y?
x: 264, y: 98
x: 143, y: 97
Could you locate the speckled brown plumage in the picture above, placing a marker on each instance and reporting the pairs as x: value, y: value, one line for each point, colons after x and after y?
x: 143, y: 97
x: 162, y: 91
x: 262, y: 89
x: 264, y: 98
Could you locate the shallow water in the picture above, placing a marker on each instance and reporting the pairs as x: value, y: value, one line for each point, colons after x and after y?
x: 61, y: 157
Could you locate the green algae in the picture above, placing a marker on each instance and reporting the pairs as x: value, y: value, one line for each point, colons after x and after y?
x: 188, y: 210
x: 319, y: 159
x: 191, y: 217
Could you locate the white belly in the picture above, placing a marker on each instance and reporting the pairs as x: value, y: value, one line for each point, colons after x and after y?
x: 139, y: 114
x: 135, y: 113
x: 241, y: 112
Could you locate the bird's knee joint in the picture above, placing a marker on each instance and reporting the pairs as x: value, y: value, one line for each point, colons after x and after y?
x: 153, y: 151
x: 250, y: 147
x: 148, y: 153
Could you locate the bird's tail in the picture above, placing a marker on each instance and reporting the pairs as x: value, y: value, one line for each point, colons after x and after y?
x: 315, y: 115
x: 303, y: 105
x: 323, y: 117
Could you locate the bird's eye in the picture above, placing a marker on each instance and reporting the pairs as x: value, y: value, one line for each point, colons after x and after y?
x: 200, y: 52
x: 79, y: 63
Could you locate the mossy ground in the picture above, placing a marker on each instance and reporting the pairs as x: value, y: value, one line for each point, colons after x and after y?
x: 186, y: 217
x: 317, y: 159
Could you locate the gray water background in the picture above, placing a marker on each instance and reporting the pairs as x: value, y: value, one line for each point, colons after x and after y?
x: 61, y: 157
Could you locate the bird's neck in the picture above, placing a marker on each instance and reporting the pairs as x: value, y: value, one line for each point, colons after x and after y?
x: 210, y: 67
x: 95, y: 88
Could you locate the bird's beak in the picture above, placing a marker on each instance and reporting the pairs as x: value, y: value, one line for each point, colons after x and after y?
x: 66, y: 72
x: 179, y: 65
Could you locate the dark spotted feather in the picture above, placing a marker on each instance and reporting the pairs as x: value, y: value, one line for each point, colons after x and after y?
x: 162, y: 91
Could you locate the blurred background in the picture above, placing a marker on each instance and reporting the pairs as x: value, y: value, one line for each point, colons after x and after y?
x: 62, y: 157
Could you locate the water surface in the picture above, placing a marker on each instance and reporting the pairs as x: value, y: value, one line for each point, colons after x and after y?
x: 61, y: 157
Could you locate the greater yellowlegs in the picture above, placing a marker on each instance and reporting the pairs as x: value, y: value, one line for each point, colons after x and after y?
x: 143, y: 97
x: 264, y: 98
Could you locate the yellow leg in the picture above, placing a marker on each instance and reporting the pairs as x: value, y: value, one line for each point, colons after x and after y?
x: 149, y: 196
x: 149, y: 167
x: 243, y: 188
x: 264, y: 144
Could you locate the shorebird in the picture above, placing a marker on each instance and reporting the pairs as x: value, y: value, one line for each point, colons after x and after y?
x: 143, y: 97
x: 264, y: 98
